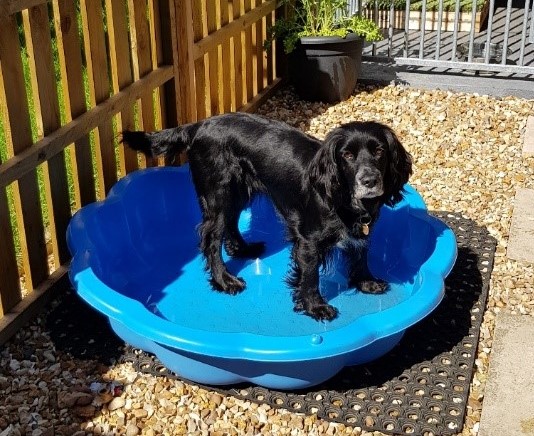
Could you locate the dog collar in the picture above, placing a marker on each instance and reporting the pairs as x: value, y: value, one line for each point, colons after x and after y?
x: 365, y: 225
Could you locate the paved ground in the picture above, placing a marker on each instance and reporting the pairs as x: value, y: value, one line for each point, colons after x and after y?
x: 508, y: 407
x: 521, y: 243
x: 387, y: 72
x: 528, y: 146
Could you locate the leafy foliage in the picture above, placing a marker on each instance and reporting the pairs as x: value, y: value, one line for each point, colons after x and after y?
x: 319, y: 18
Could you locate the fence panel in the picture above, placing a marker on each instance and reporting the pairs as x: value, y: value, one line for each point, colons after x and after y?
x: 47, y: 111
x: 73, y: 74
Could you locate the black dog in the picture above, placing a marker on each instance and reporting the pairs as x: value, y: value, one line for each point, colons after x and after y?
x: 329, y: 192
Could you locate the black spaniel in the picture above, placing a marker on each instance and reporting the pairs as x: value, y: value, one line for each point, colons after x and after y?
x: 328, y: 192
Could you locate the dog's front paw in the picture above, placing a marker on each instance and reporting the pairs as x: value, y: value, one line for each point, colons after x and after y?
x: 229, y: 284
x: 372, y: 286
x: 318, y: 310
x: 323, y: 312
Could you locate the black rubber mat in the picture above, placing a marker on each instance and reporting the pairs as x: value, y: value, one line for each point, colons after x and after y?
x: 420, y: 388
x: 79, y: 330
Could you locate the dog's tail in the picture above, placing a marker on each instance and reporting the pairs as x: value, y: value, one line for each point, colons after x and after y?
x: 168, y: 142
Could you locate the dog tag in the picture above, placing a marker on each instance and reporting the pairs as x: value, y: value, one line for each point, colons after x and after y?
x: 365, y: 229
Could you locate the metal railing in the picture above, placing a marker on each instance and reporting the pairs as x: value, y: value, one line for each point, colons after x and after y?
x: 489, y: 38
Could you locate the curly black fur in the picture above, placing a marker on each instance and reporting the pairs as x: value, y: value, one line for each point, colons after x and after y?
x: 327, y: 191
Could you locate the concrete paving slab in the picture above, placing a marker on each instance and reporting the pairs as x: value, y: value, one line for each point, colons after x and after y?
x: 528, y: 142
x: 508, y: 408
x: 521, y: 241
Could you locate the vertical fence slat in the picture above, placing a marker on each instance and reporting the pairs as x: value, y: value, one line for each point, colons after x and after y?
x: 121, y: 74
x: 390, y: 28
x: 10, y: 293
x: 212, y: 79
x: 270, y: 54
x: 406, y: 30
x: 155, y: 56
x: 260, y: 58
x: 423, y: 29
x: 233, y: 67
x: 524, y: 32
x: 140, y: 34
x: 39, y: 45
x: 164, y: 44
x: 18, y: 137
x: 489, y: 30
x: 472, y: 30
x: 249, y: 64
x: 226, y: 70
x: 70, y: 61
x: 200, y: 30
x: 185, y: 67
x: 455, y: 29
x: 440, y: 24
x: 506, y: 32
x: 376, y: 17
x: 237, y: 7
x: 99, y: 88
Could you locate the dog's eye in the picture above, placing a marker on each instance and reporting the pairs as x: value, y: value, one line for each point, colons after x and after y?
x: 347, y: 155
x: 379, y: 151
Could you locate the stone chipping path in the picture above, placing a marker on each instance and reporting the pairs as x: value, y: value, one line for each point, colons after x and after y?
x: 468, y: 158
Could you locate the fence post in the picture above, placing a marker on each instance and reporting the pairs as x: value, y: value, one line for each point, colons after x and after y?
x: 183, y: 60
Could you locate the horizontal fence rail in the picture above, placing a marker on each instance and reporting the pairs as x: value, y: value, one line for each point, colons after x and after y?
x: 480, y: 35
x: 73, y: 75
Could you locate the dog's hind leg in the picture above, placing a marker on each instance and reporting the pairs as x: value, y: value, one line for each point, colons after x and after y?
x: 234, y: 243
x: 211, y: 236
x: 359, y: 275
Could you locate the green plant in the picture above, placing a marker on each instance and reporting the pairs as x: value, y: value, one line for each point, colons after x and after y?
x: 319, y: 18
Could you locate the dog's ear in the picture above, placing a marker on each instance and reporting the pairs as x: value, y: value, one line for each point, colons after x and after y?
x: 323, y: 168
x: 399, y: 168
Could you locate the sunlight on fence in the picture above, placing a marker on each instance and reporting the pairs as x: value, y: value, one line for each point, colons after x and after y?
x: 73, y: 75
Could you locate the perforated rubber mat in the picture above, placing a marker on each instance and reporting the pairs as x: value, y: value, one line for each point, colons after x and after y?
x: 420, y: 388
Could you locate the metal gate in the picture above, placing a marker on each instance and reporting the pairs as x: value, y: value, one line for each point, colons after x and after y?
x: 481, y: 35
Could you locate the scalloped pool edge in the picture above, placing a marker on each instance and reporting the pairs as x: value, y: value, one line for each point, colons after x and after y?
x: 278, y: 362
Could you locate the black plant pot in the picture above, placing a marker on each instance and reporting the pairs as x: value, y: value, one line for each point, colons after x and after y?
x: 326, y: 68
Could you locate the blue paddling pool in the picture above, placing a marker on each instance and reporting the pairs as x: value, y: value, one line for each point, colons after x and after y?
x: 136, y: 260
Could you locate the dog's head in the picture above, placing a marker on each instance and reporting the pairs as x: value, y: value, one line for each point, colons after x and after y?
x: 366, y: 161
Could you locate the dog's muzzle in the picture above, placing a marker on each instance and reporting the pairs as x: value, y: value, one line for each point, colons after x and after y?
x: 368, y: 185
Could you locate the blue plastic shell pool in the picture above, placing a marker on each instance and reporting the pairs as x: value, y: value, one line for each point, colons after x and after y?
x: 136, y: 260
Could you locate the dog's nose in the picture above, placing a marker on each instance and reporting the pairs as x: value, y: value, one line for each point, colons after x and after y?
x: 369, y: 180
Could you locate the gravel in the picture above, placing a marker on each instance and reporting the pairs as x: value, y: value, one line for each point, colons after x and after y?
x: 467, y: 153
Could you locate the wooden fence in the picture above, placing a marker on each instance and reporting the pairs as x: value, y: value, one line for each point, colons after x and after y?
x: 73, y: 74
